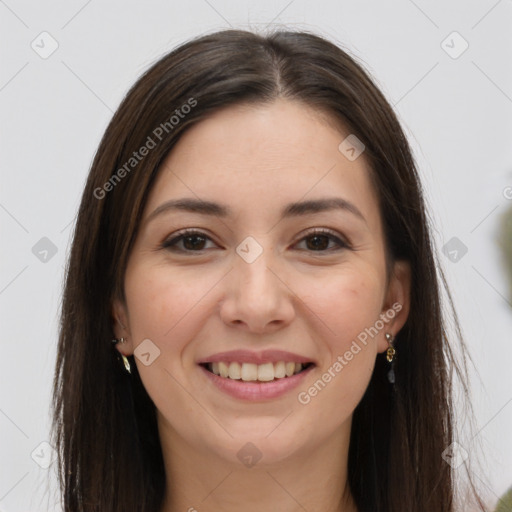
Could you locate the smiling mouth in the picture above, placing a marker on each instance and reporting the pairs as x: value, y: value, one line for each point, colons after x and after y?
x: 250, y: 372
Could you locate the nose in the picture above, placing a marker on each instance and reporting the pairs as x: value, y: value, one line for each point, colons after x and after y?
x: 257, y: 299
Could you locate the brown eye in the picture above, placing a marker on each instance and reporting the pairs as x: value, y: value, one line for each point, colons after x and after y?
x: 318, y: 242
x: 187, y: 241
x: 323, y: 241
x: 194, y: 242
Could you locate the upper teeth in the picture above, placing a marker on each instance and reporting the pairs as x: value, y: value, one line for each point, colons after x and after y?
x: 249, y: 371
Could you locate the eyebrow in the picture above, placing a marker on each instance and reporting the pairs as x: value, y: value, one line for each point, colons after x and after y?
x: 291, y: 210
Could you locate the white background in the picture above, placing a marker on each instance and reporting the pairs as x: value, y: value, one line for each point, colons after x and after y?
x: 456, y: 112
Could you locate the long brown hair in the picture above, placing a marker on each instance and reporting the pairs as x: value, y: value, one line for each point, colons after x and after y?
x: 104, y: 422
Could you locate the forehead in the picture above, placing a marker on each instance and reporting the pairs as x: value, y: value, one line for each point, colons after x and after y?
x: 266, y: 155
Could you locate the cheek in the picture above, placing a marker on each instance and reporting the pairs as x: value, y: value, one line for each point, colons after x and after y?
x: 347, y: 304
x: 162, y: 307
x: 165, y: 308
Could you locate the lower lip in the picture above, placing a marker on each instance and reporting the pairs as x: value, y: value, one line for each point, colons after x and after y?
x: 256, y: 391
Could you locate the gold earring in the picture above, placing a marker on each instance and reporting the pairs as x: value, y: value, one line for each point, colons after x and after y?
x: 390, y: 356
x: 126, y: 364
x: 125, y: 359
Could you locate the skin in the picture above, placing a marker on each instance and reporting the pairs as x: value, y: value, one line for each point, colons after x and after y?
x: 257, y: 159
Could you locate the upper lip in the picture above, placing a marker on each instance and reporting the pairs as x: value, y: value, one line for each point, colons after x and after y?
x: 261, y: 357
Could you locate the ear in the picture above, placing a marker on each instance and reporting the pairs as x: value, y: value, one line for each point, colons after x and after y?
x: 121, y: 327
x: 397, y: 302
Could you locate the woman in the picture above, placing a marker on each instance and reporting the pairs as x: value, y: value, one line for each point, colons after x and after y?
x: 253, y: 239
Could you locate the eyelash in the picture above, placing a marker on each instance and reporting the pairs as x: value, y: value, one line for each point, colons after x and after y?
x: 170, y: 244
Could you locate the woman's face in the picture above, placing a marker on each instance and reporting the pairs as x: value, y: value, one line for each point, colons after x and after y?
x: 285, y: 264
